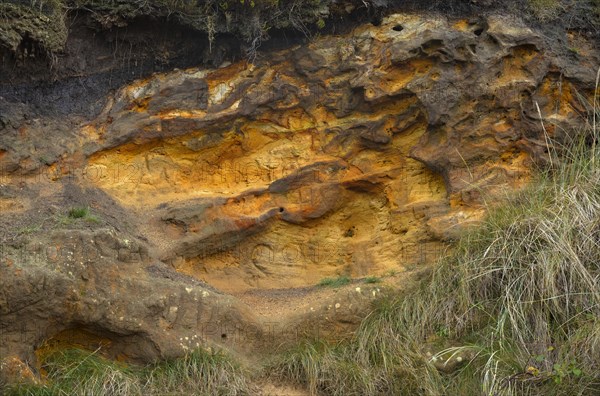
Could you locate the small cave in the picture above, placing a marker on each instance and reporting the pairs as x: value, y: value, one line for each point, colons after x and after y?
x: 77, y: 337
x: 398, y: 28
x: 478, y: 26
x: 106, y: 343
x: 432, y: 46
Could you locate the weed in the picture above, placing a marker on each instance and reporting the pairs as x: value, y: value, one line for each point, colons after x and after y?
x: 29, y: 229
x: 335, y: 282
x: 79, y: 213
x: 372, y: 279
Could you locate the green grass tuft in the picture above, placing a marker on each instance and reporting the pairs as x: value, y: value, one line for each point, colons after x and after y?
x: 335, y: 282
x: 79, y: 213
x: 372, y: 279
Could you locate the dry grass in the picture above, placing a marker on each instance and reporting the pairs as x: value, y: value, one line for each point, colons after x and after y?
x: 198, y: 373
x: 545, y: 10
x: 77, y: 372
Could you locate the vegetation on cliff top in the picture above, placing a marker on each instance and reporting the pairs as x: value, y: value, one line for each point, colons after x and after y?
x: 43, y: 23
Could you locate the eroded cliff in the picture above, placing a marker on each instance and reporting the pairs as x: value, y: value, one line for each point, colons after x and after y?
x: 210, y: 190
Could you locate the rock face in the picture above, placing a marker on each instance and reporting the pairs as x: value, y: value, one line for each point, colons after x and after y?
x: 353, y: 155
x: 357, y: 155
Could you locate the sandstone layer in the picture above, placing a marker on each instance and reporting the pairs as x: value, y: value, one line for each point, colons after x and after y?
x: 364, y: 154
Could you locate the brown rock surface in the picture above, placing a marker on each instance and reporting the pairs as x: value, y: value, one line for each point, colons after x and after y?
x: 214, y: 189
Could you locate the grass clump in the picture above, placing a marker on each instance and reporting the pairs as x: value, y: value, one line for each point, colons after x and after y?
x: 335, y: 282
x: 40, y: 21
x: 584, y: 14
x: 199, y: 372
x: 545, y: 9
x: 372, y: 279
x: 78, y: 213
x: 79, y: 372
x: 323, y: 369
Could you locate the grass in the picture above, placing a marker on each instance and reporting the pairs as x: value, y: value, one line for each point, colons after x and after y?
x: 79, y: 372
x: 372, y: 279
x: 29, y: 229
x: 576, y: 10
x: 545, y: 10
x: 199, y: 372
x: 335, y: 282
x: 78, y: 213
x: 250, y: 21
